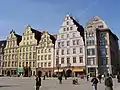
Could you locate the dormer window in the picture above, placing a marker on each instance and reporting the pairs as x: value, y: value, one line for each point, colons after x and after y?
x: 67, y: 18
x: 67, y: 23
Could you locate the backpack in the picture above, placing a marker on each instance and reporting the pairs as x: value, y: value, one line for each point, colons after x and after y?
x: 108, y: 82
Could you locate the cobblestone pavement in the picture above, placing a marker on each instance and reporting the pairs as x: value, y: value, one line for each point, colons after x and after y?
x: 22, y: 83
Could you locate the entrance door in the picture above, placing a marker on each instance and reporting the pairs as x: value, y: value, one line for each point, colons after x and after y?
x: 69, y: 73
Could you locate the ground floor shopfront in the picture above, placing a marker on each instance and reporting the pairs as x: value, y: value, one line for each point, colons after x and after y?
x: 45, y: 71
x: 69, y: 72
x: 9, y: 72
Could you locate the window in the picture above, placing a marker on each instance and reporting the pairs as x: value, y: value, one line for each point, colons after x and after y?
x: 38, y: 51
x: 71, y: 28
x: 64, y: 29
x: 49, y: 64
x: 91, y: 51
x: 74, y: 59
x: 30, y: 37
x: 62, y: 44
x: 45, y: 50
x: 19, y: 64
x: 41, y: 64
x: 91, y: 61
x: 57, y: 52
x: 58, y: 44
x: 30, y: 64
x: 74, y: 50
x: 8, y: 64
x: 45, y: 64
x: 68, y: 43
x: 38, y: 64
x: 77, y: 42
x: 13, y: 64
x: 67, y: 28
x: 62, y: 52
x: 49, y: 57
x: 41, y: 57
x: 41, y: 50
x: 68, y: 60
x: 26, y: 48
x: 68, y: 51
x: 67, y: 23
x: 81, y: 50
x: 73, y: 35
x: 62, y: 60
x: 23, y: 64
x: 38, y: 58
x: 45, y: 57
x: 81, y: 59
x: 73, y: 42
x: 49, y: 50
x: 33, y: 64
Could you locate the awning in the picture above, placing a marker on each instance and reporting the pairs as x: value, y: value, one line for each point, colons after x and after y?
x: 20, y: 70
x: 78, y: 70
x: 60, y: 70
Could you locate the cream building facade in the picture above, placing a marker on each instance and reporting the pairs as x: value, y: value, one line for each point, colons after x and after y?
x: 69, y: 48
x: 45, y: 54
x: 27, y: 52
x: 10, y: 54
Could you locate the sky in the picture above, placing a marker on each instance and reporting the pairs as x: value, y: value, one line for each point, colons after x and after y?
x: 48, y: 15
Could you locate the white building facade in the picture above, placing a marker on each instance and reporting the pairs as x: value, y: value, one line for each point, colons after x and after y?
x: 69, y: 48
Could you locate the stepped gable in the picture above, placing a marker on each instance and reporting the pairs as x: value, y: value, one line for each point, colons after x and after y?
x: 80, y: 28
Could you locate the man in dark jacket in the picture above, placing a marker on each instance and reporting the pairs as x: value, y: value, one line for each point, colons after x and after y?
x: 38, y: 82
x: 118, y: 77
x: 94, y: 83
x: 108, y: 82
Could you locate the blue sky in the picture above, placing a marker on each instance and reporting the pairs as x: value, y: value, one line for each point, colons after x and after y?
x: 49, y: 14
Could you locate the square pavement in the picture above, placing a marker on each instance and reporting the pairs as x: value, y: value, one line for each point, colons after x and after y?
x: 28, y: 83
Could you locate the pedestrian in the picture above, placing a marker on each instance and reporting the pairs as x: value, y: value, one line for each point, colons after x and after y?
x: 100, y: 77
x: 94, y: 82
x: 87, y: 77
x: 38, y: 82
x: 118, y: 77
x: 108, y: 82
x: 44, y: 77
x: 60, y: 79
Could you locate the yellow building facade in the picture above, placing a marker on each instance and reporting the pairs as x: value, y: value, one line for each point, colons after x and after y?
x: 27, y: 52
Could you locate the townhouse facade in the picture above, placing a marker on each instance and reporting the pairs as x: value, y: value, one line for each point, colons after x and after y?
x: 99, y: 43
x: 69, y: 48
x: 45, y: 54
x: 27, y: 52
x: 2, y: 46
x: 10, y: 54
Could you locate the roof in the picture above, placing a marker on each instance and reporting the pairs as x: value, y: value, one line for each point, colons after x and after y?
x: 37, y: 34
x: 3, y: 43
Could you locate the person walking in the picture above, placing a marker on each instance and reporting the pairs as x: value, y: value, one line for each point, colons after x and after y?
x: 118, y: 77
x: 100, y: 77
x: 94, y: 82
x: 38, y: 82
x: 87, y: 77
x: 60, y: 79
x: 108, y: 82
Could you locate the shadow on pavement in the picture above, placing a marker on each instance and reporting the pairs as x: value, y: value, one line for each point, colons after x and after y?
x: 8, y: 86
